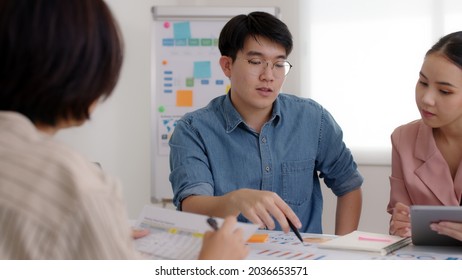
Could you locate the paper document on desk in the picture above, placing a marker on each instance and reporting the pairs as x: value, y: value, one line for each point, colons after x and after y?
x: 176, y: 235
x: 367, y: 241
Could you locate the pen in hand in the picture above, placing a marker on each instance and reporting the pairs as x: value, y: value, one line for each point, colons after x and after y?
x: 213, y: 223
x: 295, y: 230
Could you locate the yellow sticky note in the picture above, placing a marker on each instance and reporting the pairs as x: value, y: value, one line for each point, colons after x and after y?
x: 258, y: 238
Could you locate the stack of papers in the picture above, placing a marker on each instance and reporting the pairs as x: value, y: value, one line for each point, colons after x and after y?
x: 176, y: 235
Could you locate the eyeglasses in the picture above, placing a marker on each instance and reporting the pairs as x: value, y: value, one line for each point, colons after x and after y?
x: 280, y: 68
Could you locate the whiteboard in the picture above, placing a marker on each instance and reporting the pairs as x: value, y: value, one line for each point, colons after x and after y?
x: 185, y: 74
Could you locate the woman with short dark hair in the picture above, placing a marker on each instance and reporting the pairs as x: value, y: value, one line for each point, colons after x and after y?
x: 57, y: 60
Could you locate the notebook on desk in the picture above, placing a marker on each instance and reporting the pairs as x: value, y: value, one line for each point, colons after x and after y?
x: 421, y: 218
x: 367, y: 241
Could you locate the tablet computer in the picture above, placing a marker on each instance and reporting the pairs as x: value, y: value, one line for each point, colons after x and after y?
x: 421, y: 218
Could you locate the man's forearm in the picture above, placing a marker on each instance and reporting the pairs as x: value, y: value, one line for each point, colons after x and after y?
x: 348, y: 212
x: 217, y: 206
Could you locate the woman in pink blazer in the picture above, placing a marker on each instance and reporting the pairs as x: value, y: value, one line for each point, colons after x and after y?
x: 427, y: 153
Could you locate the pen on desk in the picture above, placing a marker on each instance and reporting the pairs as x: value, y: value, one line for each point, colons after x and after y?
x: 295, y: 230
x: 213, y: 223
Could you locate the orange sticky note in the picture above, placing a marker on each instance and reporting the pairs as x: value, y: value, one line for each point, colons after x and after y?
x: 258, y: 238
x: 184, y: 98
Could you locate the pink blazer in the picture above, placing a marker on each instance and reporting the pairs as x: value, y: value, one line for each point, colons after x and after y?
x: 420, y: 174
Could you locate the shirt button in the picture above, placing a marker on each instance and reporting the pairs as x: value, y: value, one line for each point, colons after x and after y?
x: 267, y: 168
x: 263, y: 140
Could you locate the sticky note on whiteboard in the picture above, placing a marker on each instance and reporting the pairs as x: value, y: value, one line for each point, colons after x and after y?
x: 181, y: 30
x: 184, y: 98
x: 202, y: 69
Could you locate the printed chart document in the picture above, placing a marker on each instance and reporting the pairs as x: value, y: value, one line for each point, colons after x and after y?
x: 367, y: 241
x: 286, y: 246
x: 176, y: 235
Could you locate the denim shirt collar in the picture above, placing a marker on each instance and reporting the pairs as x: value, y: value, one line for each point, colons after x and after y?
x: 233, y: 118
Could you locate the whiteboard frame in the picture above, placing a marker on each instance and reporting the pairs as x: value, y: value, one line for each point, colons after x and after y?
x: 206, y: 13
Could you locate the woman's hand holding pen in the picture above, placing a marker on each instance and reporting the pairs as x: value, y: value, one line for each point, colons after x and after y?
x: 400, y: 223
x: 226, y: 243
x: 260, y: 207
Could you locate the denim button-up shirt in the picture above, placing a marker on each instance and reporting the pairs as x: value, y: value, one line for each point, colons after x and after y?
x: 214, y: 152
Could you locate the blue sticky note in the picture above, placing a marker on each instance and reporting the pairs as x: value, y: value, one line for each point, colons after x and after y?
x: 202, y: 69
x: 181, y: 30
x: 168, y: 42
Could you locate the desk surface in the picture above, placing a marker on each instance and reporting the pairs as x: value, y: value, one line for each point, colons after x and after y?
x: 281, y: 246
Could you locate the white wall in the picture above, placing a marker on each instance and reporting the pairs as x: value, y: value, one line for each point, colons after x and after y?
x: 376, y: 191
x: 118, y: 136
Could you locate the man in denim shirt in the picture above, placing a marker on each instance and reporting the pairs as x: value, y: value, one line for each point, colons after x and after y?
x: 258, y: 153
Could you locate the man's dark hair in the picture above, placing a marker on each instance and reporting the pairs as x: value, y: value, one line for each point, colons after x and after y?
x: 255, y: 24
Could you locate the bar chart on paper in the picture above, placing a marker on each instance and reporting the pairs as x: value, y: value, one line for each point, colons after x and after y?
x: 287, y: 247
x: 282, y: 246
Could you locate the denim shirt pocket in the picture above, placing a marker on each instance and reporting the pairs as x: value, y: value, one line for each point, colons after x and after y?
x: 297, y: 179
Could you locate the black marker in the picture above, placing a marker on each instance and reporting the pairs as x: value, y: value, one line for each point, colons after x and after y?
x: 213, y: 223
x: 295, y: 230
